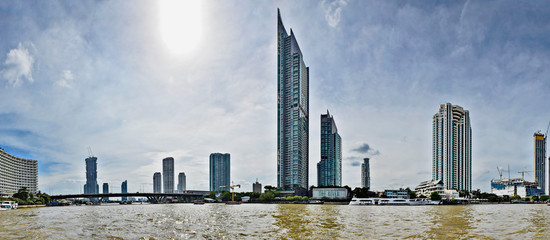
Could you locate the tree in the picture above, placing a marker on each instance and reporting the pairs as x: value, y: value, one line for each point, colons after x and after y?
x: 535, y: 198
x: 267, y: 196
x: 515, y: 197
x: 544, y: 198
x: 270, y: 188
x: 435, y: 196
x: 22, y: 194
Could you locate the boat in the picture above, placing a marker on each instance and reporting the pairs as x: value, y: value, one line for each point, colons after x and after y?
x: 199, y: 202
x: 233, y: 203
x: 392, y: 201
x: 8, y: 205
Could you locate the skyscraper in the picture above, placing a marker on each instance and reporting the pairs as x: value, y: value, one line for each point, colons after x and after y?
x: 16, y: 173
x: 91, y: 185
x: 220, y: 171
x: 329, y: 169
x: 168, y: 174
x: 540, y: 157
x: 157, y: 183
x: 365, y: 173
x: 292, y: 111
x: 257, y: 187
x: 452, y: 147
x: 105, y: 190
x: 181, y: 182
x: 124, y: 189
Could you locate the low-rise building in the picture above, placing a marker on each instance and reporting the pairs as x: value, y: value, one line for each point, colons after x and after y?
x: 451, y: 194
x: 335, y: 193
x: 427, y: 187
x: 401, y: 193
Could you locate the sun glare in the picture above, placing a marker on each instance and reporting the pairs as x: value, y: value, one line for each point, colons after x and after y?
x: 180, y: 24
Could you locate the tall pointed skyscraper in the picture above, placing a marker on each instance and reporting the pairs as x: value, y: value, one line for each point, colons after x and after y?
x: 292, y: 111
x: 452, y: 147
x: 329, y: 169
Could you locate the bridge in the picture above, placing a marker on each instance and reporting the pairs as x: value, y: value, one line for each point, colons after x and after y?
x: 152, y: 197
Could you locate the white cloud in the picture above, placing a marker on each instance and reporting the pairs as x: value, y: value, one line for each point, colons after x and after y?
x: 65, y: 80
x: 333, y: 11
x: 18, y: 66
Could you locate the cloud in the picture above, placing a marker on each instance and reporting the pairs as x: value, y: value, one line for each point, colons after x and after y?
x: 333, y: 11
x: 18, y: 66
x: 65, y: 80
x: 366, y: 149
x: 355, y: 164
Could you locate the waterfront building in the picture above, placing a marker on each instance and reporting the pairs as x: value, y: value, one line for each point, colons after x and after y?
x: 105, y: 190
x: 426, y: 188
x: 329, y: 169
x: 168, y: 174
x: 16, y: 173
x: 257, y: 187
x: 401, y: 193
x: 330, y: 193
x: 91, y: 185
x: 452, y: 147
x: 515, y: 186
x: 181, y: 182
x: 124, y: 189
x: 365, y: 173
x: 292, y: 112
x: 540, y: 157
x: 220, y: 171
x: 157, y: 183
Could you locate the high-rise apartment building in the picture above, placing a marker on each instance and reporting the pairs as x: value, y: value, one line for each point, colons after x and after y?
x: 124, y: 189
x: 365, y: 173
x: 329, y: 169
x: 257, y: 187
x: 105, y: 190
x: 91, y: 185
x: 181, y: 182
x: 452, y: 147
x: 157, y: 182
x: 540, y: 159
x: 220, y: 171
x: 292, y: 111
x: 16, y: 173
x: 168, y: 174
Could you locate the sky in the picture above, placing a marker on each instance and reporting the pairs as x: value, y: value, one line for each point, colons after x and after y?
x: 138, y: 81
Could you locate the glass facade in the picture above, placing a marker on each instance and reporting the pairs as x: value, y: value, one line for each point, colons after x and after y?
x: 220, y: 174
x: 292, y: 112
x: 91, y: 185
x: 365, y: 173
x: 329, y: 169
x: 124, y: 189
x: 181, y: 182
x: 540, y: 157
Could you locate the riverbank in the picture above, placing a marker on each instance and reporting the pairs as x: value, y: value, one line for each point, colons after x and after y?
x: 30, y: 206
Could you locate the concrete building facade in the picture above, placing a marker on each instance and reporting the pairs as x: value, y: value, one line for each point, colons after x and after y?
x: 157, y: 182
x: 365, y: 173
x: 452, y: 147
x: 182, y: 182
x: 257, y: 187
x: 168, y: 175
x: 16, y: 173
x: 292, y: 112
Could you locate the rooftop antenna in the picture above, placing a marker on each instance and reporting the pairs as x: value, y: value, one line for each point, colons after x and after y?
x: 90, y: 154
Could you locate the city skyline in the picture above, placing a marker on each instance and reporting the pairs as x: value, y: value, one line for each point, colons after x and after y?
x: 89, y: 74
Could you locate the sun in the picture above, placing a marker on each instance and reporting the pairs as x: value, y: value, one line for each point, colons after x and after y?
x: 180, y: 24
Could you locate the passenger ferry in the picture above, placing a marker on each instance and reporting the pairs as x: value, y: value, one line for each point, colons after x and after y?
x: 392, y: 201
x: 7, y: 205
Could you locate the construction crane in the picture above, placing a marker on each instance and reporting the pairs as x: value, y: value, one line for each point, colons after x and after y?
x: 522, y: 174
x: 546, y: 135
x: 90, y: 152
x: 232, y: 186
x: 499, y: 173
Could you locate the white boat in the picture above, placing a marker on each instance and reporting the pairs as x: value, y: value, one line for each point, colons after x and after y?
x: 7, y: 205
x: 391, y: 201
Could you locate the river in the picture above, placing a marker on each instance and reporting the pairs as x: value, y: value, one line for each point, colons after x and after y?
x: 277, y: 221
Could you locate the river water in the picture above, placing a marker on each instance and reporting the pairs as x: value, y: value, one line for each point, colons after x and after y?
x: 277, y: 221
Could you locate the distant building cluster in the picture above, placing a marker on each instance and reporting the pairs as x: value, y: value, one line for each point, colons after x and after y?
x: 164, y: 182
x: 16, y: 173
